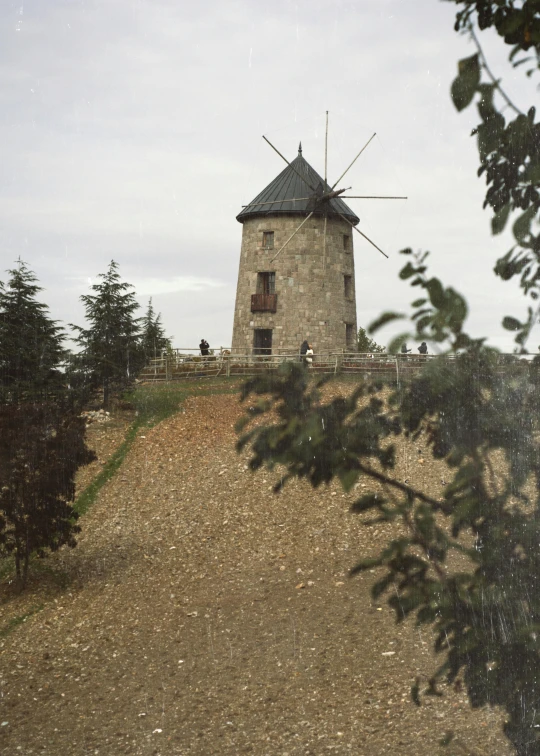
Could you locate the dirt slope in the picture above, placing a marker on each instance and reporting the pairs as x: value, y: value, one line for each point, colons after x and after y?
x: 205, y: 615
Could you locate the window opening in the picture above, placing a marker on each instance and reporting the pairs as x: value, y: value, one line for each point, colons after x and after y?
x: 346, y: 242
x: 268, y: 239
x: 347, y: 283
x: 266, y: 283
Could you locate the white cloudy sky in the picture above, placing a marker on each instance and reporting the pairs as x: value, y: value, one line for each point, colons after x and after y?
x: 131, y: 129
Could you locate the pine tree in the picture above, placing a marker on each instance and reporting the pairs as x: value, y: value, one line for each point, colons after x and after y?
x: 153, y: 339
x: 366, y: 344
x: 41, y: 431
x: 31, y: 348
x: 111, y: 344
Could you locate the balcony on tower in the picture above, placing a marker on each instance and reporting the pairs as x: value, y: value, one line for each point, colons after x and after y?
x: 265, y: 300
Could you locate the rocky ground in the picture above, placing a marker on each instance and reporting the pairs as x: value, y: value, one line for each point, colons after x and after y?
x: 202, y: 614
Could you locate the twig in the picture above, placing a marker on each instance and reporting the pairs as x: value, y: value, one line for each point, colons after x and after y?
x: 400, y: 486
x: 488, y: 71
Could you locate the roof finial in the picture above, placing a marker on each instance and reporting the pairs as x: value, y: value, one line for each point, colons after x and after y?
x: 300, y: 150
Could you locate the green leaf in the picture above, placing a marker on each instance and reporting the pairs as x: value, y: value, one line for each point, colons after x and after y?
x: 489, y: 134
x: 386, y: 317
x: 498, y: 222
x: 522, y: 226
x: 485, y: 106
x: 532, y: 172
x: 511, y: 324
x: 436, y: 292
x: 466, y: 83
x: 407, y: 271
x: 511, y: 22
x: 348, y: 478
x: 395, y: 345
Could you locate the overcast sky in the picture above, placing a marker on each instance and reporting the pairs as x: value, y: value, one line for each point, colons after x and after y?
x: 132, y: 130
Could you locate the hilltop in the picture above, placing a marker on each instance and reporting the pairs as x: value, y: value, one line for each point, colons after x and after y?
x: 202, y: 614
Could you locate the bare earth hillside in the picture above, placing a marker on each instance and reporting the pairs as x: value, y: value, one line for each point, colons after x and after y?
x: 202, y: 614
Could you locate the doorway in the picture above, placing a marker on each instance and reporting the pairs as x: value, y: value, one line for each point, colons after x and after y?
x: 262, y: 341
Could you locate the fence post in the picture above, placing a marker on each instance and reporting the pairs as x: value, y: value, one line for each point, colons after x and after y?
x: 397, y: 371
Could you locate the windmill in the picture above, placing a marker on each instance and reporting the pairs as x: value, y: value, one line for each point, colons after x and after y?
x: 322, y: 194
x: 314, y: 278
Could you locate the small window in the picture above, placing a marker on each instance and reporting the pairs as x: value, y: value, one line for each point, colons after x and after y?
x: 346, y: 242
x: 266, y: 283
x: 268, y: 239
x: 347, y: 281
x: 349, y: 334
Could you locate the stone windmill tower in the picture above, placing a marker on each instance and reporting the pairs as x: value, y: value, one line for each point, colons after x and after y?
x: 296, y: 273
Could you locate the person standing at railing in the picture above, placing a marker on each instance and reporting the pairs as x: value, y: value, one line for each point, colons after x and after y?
x: 423, y: 348
x: 303, y: 349
x: 309, y: 356
x: 204, y: 346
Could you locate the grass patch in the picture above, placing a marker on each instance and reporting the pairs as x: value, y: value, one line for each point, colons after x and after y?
x: 88, y: 496
x: 153, y: 403
x: 14, y: 622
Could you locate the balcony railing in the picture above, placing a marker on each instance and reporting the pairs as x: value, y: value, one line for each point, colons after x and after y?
x: 263, y: 302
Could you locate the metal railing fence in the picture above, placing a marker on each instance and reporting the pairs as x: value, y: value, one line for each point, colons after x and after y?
x: 178, y: 364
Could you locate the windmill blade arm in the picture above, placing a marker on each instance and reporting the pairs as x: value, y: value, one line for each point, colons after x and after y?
x: 326, y: 151
x: 276, y: 202
x: 369, y: 196
x: 371, y: 242
x: 362, y: 234
x: 304, y: 179
x: 354, y: 161
x: 291, y: 236
x: 275, y: 149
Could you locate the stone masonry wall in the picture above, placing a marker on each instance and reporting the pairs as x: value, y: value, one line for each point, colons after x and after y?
x: 310, y: 287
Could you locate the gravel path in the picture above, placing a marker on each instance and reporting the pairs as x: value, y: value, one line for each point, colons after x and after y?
x: 202, y: 614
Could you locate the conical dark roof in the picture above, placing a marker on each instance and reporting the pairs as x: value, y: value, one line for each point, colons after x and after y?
x: 288, y: 191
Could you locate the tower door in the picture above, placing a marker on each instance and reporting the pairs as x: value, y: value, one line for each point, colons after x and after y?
x: 262, y: 341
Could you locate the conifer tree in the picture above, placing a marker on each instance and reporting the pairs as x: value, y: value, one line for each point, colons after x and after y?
x: 41, y: 448
x: 153, y: 339
x: 367, y: 344
x: 31, y: 348
x: 41, y: 431
x: 111, y: 352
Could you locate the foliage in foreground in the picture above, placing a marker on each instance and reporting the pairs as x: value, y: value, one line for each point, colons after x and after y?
x: 485, y: 614
x: 483, y: 605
